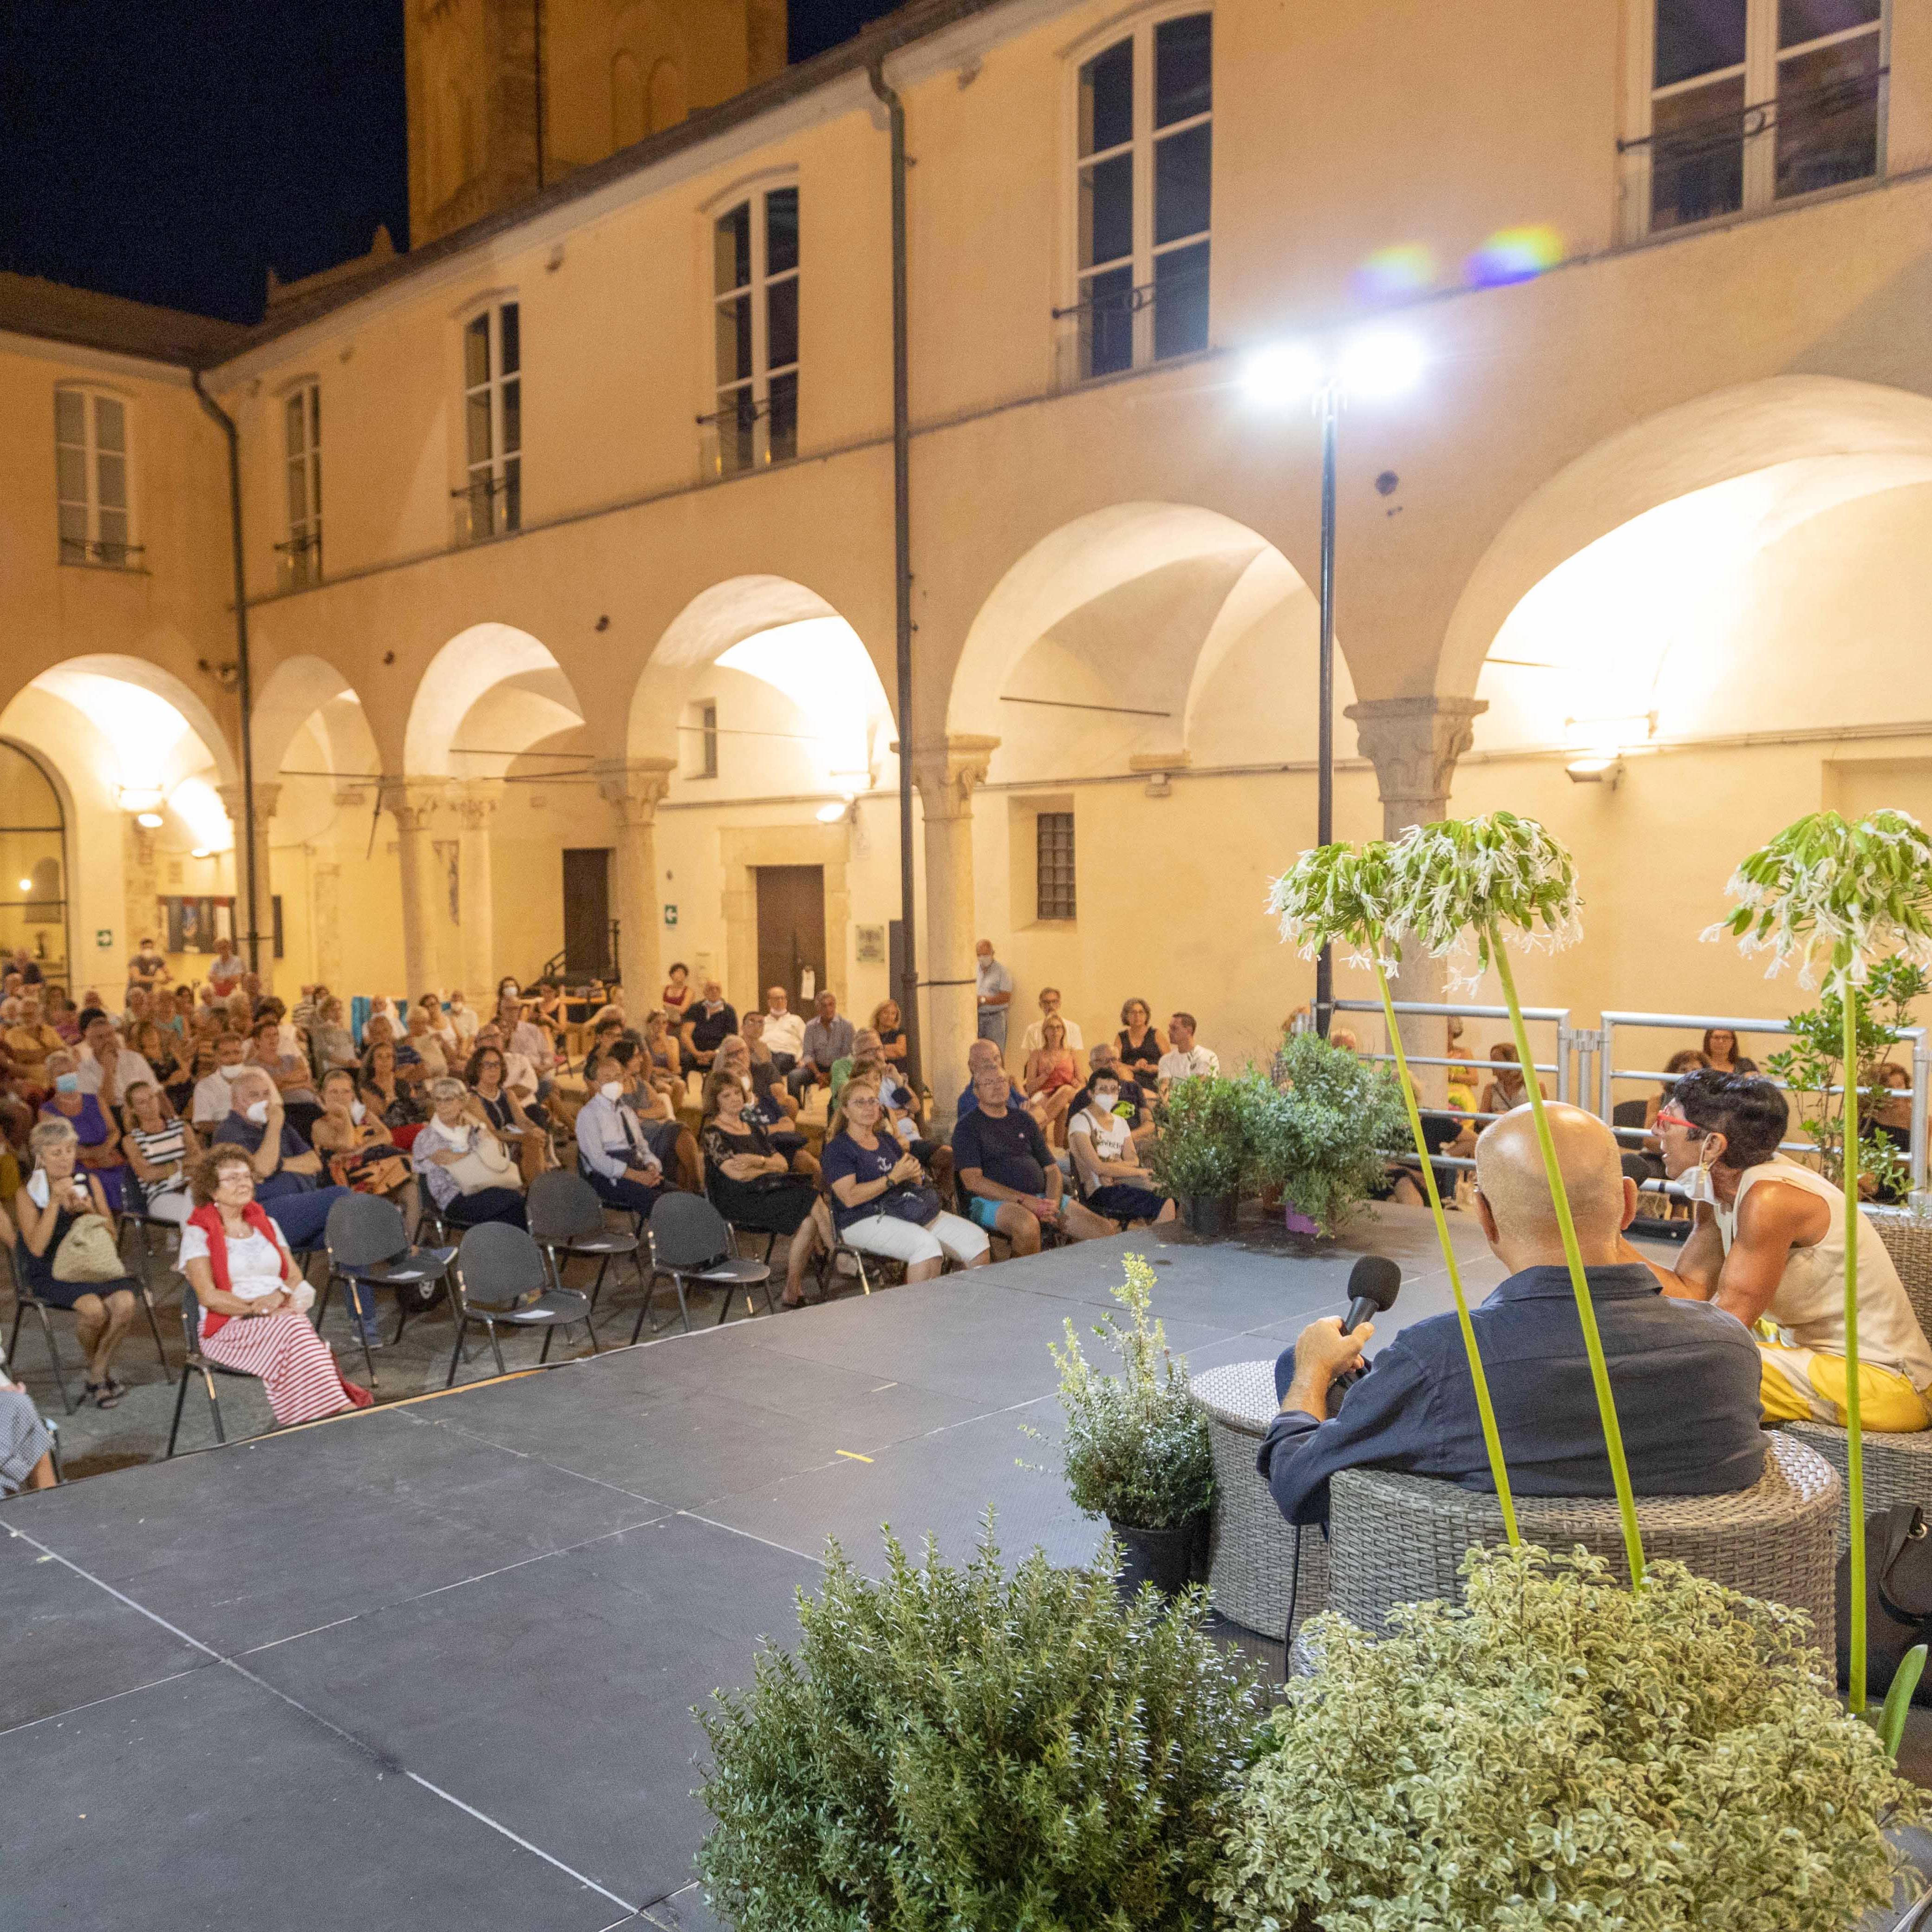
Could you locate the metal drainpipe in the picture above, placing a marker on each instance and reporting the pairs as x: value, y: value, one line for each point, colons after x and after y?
x: 902, y: 560
x: 245, y: 681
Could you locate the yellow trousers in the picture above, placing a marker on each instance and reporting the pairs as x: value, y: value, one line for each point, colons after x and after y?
x: 1802, y: 1385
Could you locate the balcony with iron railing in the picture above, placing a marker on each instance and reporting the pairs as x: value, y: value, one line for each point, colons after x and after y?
x: 102, y: 554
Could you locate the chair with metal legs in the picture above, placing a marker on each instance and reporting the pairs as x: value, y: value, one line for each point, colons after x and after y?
x: 24, y: 1298
x: 691, y: 1242
x: 368, y: 1247
x: 501, y: 1280
x: 194, y: 1362
x: 566, y: 1218
x: 142, y: 1224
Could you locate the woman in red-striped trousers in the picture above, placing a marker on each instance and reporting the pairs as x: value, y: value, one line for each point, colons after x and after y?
x: 253, y: 1297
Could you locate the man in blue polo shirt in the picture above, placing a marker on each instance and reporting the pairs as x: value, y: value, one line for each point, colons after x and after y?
x: 1010, y: 1183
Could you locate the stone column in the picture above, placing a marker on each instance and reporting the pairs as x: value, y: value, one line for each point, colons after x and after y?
x: 946, y: 771
x: 1414, y: 743
x: 412, y: 807
x: 142, y: 875
x: 474, y: 807
x: 266, y: 798
x: 325, y: 911
x: 635, y: 795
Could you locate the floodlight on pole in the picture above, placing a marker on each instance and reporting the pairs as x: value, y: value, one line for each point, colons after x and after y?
x: 1377, y: 364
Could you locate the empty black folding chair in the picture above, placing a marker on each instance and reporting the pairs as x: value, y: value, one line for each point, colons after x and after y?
x: 368, y: 1245
x: 502, y: 1280
x: 566, y: 1218
x: 690, y: 1242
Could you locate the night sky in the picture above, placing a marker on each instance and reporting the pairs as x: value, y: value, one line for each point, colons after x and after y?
x: 173, y: 152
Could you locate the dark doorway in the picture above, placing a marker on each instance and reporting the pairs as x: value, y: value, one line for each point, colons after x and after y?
x: 587, y: 912
x: 791, y: 929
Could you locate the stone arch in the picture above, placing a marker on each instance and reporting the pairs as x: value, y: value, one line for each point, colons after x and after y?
x: 490, y: 675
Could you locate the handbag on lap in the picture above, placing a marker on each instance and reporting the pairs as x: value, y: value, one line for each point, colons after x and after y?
x: 89, y: 1252
x: 486, y: 1165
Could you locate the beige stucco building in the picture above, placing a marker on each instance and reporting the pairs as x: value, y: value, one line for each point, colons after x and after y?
x: 571, y: 531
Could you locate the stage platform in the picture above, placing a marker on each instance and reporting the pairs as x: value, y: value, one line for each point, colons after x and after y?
x: 432, y: 1667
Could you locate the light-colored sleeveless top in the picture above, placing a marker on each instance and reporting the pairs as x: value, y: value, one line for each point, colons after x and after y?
x: 1809, y: 1303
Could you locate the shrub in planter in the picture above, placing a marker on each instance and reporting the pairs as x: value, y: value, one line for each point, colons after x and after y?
x: 954, y: 1747
x: 1318, y: 1130
x: 1561, y: 1752
x: 1201, y: 1154
x: 1136, y: 1447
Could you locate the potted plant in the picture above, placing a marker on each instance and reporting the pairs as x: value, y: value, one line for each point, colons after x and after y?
x: 1856, y: 893
x: 1202, y: 1154
x: 1320, y: 1128
x: 1552, y: 1751
x: 1336, y: 895
x: 966, y: 1747
x: 1136, y: 1450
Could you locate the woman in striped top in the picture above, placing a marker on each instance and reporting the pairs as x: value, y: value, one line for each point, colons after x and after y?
x: 160, y: 1149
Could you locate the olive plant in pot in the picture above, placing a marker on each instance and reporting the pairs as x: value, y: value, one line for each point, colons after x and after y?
x: 1201, y: 1155
x: 1136, y: 1449
x: 1320, y: 1128
x: 953, y: 1746
x: 1556, y: 1751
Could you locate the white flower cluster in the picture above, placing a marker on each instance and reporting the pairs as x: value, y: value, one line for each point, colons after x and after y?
x: 1827, y: 890
x: 1461, y: 883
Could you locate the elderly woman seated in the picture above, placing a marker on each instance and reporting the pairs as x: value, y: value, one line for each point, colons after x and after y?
x: 493, y: 1104
x: 161, y: 1148
x: 354, y: 1141
x: 752, y: 1183
x: 90, y: 1119
x: 253, y: 1299
x: 451, y: 1140
x: 57, y: 1194
x: 768, y: 1101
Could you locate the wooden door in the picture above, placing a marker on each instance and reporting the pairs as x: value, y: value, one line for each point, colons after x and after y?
x: 587, y: 912
x: 791, y: 931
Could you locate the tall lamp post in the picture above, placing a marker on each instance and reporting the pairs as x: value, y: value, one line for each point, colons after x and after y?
x: 1377, y: 364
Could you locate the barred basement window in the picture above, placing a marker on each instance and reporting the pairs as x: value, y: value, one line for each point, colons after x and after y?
x: 1054, y: 891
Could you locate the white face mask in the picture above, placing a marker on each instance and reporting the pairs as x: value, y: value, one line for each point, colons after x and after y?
x: 257, y: 1111
x: 356, y: 1111
x: 612, y: 1089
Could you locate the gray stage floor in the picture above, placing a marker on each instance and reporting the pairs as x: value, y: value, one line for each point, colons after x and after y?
x: 432, y: 1667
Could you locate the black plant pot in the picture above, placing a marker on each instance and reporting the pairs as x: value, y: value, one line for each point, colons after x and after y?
x: 1213, y: 1216
x: 1169, y: 1559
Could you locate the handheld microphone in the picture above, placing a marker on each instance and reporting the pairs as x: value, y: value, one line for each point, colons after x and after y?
x: 1373, y: 1284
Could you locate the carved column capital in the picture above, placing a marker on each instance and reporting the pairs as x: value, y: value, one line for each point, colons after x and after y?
x: 1414, y: 743
x: 947, y: 770
x: 410, y: 805
x: 473, y: 807
x: 267, y: 797
x: 635, y: 793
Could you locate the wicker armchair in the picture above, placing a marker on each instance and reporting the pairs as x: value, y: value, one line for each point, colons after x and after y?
x: 1898, y: 1468
x: 1251, y: 1568
x: 1397, y: 1539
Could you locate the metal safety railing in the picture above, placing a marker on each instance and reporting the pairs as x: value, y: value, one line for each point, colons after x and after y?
x: 1587, y: 1071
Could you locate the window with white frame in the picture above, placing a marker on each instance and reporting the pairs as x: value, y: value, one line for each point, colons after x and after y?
x: 1053, y: 889
x: 91, y: 484
x: 755, y: 294
x: 493, y: 420
x: 1143, y: 191
x: 1748, y: 103
x: 301, y: 467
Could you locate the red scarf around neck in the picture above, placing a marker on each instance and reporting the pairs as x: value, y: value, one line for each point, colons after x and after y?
x: 208, y: 1219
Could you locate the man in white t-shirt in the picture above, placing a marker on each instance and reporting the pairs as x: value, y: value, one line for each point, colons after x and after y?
x: 784, y: 1030
x: 464, y: 1018
x: 1184, y: 1061
x: 105, y: 1066
x: 1034, y: 1038
x: 213, y: 1098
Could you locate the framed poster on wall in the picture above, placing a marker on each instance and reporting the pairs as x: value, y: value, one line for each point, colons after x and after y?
x: 194, y: 925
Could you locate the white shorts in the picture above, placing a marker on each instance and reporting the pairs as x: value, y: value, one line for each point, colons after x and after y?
x: 949, y: 1234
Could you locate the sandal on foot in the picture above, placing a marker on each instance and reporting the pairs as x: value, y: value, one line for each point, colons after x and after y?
x: 106, y: 1394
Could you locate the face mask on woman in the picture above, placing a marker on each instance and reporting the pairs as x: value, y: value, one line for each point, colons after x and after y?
x: 612, y: 1089
x: 257, y: 1111
x: 67, y: 1083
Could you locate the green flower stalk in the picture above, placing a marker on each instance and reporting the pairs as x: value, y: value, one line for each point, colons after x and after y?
x: 1855, y: 893
x: 1466, y: 882
x: 1337, y: 894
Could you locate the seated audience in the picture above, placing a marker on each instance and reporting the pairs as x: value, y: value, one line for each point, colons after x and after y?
x: 784, y: 1030
x: 199, y: 1065
x: 498, y: 1109
x: 658, y: 1111
x: 1684, y: 1378
x: 614, y: 1152
x: 1011, y: 1183
x: 751, y: 1182
x: 1768, y: 1247
x: 329, y: 1038
x: 1049, y: 1079
x: 867, y: 1050
x: 980, y: 1055
x: 1724, y: 1052
x: 1686, y: 1060
x: 464, y: 1019
x: 392, y: 1099
x: 26, y: 1445
x: 828, y: 1040
x: 159, y: 1148
x: 254, y: 1301
x: 1141, y: 1046
x: 214, y: 1092
x: 889, y: 1024
x: 407, y: 1062
x: 156, y: 1048
x: 1184, y: 1060
x: 62, y: 1014
x: 446, y: 1139
x: 426, y: 1044
x: 711, y: 1020
x: 1134, y: 1103
x: 58, y: 1192
x: 225, y: 969
x: 676, y: 994
x: 90, y: 1124
x: 437, y: 1023
x: 882, y: 1203
x: 1110, y: 1178
x: 767, y: 1100
x: 31, y: 1038
x: 351, y: 1138
x: 1034, y: 1038
x: 521, y: 1034
x: 1506, y: 1088
x: 668, y: 1066
x: 106, y: 1064
x: 289, y: 1071
x: 287, y: 1167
